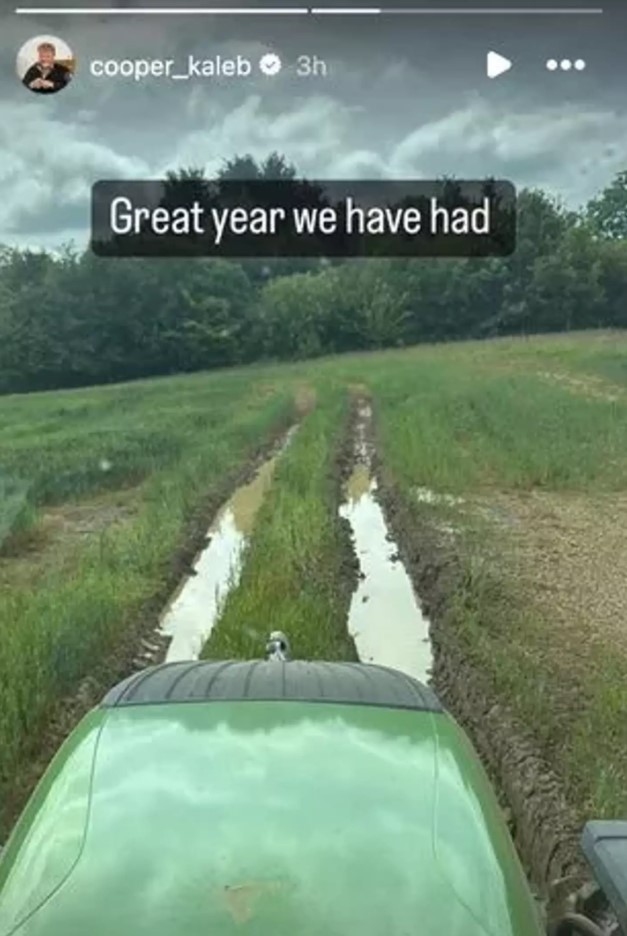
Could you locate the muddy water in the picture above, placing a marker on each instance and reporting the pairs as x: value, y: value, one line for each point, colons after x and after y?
x: 191, y: 615
x: 385, y: 619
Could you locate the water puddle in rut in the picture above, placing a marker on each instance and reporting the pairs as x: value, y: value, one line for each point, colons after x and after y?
x: 192, y: 613
x: 385, y: 619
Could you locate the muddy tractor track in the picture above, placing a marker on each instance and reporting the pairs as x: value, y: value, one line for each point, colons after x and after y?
x: 384, y: 590
x: 544, y: 827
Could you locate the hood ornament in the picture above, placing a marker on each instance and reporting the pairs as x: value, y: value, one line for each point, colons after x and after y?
x: 278, y: 647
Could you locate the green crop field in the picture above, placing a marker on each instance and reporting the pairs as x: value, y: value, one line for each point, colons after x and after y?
x: 99, y: 487
x: 165, y: 447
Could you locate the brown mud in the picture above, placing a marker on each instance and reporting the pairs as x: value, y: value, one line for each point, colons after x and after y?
x: 141, y: 645
x: 59, y: 533
x: 195, y: 607
x: 384, y: 592
x: 544, y: 826
x: 342, y: 469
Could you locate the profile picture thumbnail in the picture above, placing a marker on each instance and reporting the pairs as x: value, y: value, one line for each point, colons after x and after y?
x: 45, y: 64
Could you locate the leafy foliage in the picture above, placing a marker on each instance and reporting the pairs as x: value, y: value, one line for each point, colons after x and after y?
x: 70, y: 319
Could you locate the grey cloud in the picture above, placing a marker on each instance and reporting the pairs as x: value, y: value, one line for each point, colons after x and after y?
x: 392, y: 106
x: 47, y: 168
x: 308, y: 133
x: 546, y: 147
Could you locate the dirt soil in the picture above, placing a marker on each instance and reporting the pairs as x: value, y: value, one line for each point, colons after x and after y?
x: 342, y: 471
x: 585, y: 385
x: 544, y: 827
x: 570, y: 555
x: 60, y: 533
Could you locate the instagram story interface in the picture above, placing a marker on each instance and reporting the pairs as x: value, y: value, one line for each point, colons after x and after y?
x: 313, y: 468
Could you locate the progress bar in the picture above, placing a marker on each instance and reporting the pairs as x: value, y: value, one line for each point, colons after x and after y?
x: 465, y: 11
x: 316, y: 11
x: 158, y: 11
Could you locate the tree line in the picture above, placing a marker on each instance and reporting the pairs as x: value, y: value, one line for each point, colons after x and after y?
x: 69, y: 318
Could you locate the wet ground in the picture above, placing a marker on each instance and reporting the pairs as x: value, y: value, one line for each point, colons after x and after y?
x: 195, y: 608
x: 385, y: 619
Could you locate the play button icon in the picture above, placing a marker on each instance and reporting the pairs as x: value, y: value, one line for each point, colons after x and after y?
x: 497, y: 64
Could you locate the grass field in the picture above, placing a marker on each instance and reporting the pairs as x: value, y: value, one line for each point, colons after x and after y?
x: 98, y: 487
x: 293, y: 576
x: 167, y: 446
x: 534, y: 439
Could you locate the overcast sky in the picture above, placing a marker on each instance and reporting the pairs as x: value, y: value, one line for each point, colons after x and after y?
x: 405, y: 96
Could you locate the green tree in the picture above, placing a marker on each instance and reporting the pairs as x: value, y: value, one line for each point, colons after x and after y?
x: 608, y: 212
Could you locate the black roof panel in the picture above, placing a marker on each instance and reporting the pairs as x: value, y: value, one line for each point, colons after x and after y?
x: 294, y: 680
